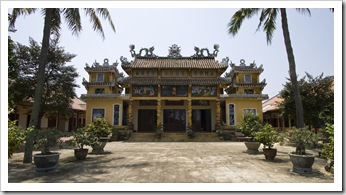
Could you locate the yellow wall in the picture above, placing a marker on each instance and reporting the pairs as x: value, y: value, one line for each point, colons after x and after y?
x: 108, y: 76
x: 106, y: 104
x: 240, y: 77
x: 240, y: 105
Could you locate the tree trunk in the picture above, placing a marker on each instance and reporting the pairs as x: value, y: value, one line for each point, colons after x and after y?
x: 34, y: 121
x: 292, y: 70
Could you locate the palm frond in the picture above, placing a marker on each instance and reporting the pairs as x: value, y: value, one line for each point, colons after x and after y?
x: 56, y: 22
x: 269, y: 25
x: 105, y: 14
x: 238, y: 18
x: 73, y: 20
x: 304, y: 10
x: 94, y: 20
x: 17, y: 12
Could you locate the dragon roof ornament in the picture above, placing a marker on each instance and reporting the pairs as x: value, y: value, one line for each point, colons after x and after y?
x: 204, y: 52
x: 148, y: 52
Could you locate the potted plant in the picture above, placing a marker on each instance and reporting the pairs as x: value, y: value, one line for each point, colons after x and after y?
x: 189, y: 132
x: 302, y: 137
x: 250, y: 125
x: 267, y: 136
x: 80, y: 139
x: 102, y: 131
x: 46, y: 160
x: 159, y: 131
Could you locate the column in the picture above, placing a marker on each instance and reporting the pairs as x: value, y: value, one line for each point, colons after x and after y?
x: 130, y: 124
x: 189, y: 113
x: 218, y: 115
x: 158, y: 113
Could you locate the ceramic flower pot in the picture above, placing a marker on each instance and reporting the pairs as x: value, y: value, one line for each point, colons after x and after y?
x: 81, y: 154
x: 269, y: 153
x: 302, y: 163
x: 252, y: 147
x: 46, y: 162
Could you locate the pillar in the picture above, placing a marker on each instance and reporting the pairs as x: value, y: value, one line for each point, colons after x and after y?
x: 189, y: 113
x: 130, y: 124
x: 218, y: 115
x: 158, y: 114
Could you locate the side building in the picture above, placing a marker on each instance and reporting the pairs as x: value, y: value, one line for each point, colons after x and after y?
x: 174, y: 92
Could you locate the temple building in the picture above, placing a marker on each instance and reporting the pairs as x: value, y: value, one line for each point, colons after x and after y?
x: 174, y: 92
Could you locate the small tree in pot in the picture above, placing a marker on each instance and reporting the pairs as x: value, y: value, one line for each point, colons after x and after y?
x: 250, y: 126
x: 80, y: 139
x: 303, y: 137
x: 46, y: 160
x: 102, y: 131
x: 267, y: 136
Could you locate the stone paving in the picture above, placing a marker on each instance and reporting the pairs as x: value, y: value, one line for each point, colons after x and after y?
x: 170, y: 162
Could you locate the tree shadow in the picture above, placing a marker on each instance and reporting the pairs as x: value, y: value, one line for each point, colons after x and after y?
x: 275, y: 160
x: 314, y: 174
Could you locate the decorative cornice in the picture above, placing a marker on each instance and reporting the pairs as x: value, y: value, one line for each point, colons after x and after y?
x: 104, y: 96
x: 175, y: 81
x: 245, y: 96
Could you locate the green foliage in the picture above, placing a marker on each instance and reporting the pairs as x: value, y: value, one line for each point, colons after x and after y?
x: 267, y: 136
x: 328, y: 148
x: 47, y: 138
x: 59, y: 80
x: 317, y: 97
x: 250, y: 125
x: 16, y: 137
x: 84, y: 138
x: 99, y: 127
x: 302, y: 137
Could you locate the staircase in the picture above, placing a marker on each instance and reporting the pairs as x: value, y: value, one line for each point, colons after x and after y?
x: 174, y: 137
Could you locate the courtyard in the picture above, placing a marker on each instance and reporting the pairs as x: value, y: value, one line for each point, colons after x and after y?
x: 170, y: 162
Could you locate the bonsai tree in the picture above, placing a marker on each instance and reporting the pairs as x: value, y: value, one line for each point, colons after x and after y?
x: 302, y: 137
x: 83, y: 138
x: 47, y: 138
x: 267, y: 136
x: 99, y: 128
x: 250, y: 125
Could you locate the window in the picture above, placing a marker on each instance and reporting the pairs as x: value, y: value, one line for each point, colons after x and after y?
x: 99, y: 91
x: 97, y: 113
x: 248, y: 78
x: 116, y: 114
x: 231, y: 115
x: 99, y: 77
x: 250, y: 111
x: 248, y: 91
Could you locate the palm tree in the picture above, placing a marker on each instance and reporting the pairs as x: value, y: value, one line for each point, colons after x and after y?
x: 267, y: 20
x: 52, y: 24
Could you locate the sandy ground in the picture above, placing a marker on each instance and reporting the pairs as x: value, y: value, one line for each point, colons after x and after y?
x: 170, y: 162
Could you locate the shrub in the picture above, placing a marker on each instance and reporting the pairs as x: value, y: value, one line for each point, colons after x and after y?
x: 16, y: 137
x: 267, y: 136
x: 99, y: 127
x: 328, y: 148
x: 302, y: 137
x: 83, y: 138
x: 47, y: 138
x: 250, y: 125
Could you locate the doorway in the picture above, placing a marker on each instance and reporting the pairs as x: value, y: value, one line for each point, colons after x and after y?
x: 174, y: 120
x: 147, y: 120
x: 201, y: 120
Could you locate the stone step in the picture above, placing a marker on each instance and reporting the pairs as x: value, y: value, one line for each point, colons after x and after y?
x: 174, y: 137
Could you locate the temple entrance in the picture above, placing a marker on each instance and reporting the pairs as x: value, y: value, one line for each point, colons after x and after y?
x: 174, y: 120
x: 201, y: 120
x: 146, y: 120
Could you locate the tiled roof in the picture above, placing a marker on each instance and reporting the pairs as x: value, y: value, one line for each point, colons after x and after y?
x: 78, y: 104
x: 176, y: 63
x: 175, y: 81
x: 272, y: 104
x: 249, y: 84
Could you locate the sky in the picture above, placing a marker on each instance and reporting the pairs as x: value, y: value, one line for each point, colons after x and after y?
x: 312, y: 39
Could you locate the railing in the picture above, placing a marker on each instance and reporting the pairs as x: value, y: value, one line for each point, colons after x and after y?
x: 84, y: 96
x: 99, y: 83
x: 263, y: 96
